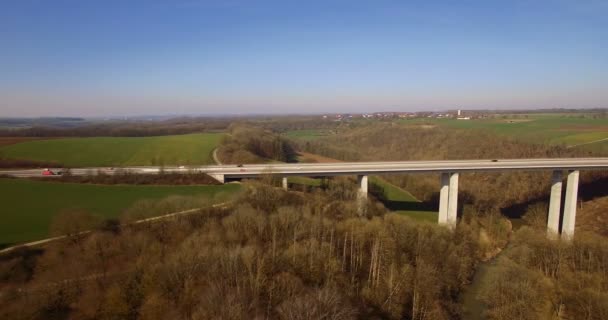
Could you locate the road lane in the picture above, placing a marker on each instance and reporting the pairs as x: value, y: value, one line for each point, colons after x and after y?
x: 343, y: 168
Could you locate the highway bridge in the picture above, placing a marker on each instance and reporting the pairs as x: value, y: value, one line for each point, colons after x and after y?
x: 448, y: 169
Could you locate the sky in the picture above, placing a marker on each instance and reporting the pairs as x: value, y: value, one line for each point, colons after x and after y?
x: 130, y: 57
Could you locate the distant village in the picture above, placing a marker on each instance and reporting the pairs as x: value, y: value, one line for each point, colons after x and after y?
x: 455, y: 114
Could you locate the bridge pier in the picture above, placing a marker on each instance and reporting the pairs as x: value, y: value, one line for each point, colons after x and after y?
x: 448, y: 199
x: 362, y: 194
x: 362, y: 181
x: 555, y: 204
x: 570, y: 202
x: 453, y: 200
x: 284, y: 183
x: 443, y: 198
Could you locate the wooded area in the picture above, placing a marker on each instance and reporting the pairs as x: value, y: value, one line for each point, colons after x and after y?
x: 248, y: 144
x: 276, y: 254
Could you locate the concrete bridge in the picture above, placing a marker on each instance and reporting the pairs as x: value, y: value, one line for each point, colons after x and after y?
x: 448, y: 170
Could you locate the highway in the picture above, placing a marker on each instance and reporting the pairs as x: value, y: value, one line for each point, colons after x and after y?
x: 343, y: 168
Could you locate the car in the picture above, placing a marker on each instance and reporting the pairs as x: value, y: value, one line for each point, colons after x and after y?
x: 181, y: 167
x: 47, y: 172
x: 494, y: 160
x: 239, y: 165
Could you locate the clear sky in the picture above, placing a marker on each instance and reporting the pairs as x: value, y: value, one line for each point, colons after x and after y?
x: 127, y: 57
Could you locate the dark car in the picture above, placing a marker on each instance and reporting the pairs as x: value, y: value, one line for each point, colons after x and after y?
x: 239, y: 165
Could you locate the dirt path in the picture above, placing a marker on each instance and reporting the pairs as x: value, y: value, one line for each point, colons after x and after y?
x: 152, y: 219
x: 216, y: 159
x: 586, y: 143
x: 473, y: 307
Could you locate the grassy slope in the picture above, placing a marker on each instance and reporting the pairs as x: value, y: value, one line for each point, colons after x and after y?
x: 397, y: 200
x: 402, y: 202
x: 28, y: 206
x: 116, y: 151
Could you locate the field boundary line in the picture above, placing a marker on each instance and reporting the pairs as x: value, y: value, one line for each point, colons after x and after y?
x: 582, y: 144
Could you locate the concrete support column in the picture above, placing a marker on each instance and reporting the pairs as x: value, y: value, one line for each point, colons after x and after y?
x: 453, y: 199
x: 570, y: 205
x: 362, y: 194
x: 555, y: 204
x: 362, y: 180
x: 443, y: 198
x: 284, y: 183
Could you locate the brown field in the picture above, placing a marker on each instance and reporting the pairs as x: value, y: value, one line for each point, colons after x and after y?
x: 5, y: 141
x: 593, y: 216
x: 314, y: 158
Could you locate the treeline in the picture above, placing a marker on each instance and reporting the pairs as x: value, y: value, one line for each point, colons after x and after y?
x: 183, y: 125
x: 125, y: 128
x: 249, y: 144
x: 537, y: 278
x: 487, y: 191
x: 22, y: 163
x: 290, y: 123
x: 163, y: 178
x: 274, y: 255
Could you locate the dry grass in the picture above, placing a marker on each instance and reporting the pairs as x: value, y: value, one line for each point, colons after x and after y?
x: 5, y: 141
x: 314, y: 158
x: 593, y: 216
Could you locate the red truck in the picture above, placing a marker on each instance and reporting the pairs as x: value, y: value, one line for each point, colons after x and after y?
x: 49, y: 172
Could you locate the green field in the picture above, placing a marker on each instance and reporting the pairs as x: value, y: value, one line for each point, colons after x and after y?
x: 29, y: 206
x: 310, y: 134
x: 305, y: 181
x: 566, y: 129
x: 188, y: 149
x: 402, y: 202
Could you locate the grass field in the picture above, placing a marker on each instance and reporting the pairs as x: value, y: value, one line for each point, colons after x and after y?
x: 119, y: 151
x: 310, y: 134
x: 402, y: 202
x: 566, y: 129
x: 29, y: 206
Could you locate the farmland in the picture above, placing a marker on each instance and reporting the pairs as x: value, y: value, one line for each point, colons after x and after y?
x: 188, y: 149
x: 569, y: 130
x: 29, y: 206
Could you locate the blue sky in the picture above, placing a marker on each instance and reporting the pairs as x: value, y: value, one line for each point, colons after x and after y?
x: 99, y: 58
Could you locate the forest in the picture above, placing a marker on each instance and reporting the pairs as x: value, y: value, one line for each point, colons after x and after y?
x: 273, y: 254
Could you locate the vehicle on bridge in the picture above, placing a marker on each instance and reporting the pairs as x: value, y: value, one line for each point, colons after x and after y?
x: 49, y: 172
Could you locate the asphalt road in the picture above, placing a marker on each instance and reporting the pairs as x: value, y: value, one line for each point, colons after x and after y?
x: 344, y: 168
